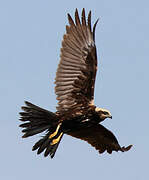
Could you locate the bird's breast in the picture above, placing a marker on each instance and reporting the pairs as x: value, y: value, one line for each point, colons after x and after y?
x: 78, y: 122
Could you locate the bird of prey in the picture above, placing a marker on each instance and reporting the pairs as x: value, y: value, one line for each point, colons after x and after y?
x: 76, y: 113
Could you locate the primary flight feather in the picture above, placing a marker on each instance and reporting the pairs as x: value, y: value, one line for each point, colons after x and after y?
x: 76, y: 113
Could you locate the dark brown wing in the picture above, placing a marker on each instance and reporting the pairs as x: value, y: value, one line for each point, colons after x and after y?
x: 100, y: 138
x: 76, y: 72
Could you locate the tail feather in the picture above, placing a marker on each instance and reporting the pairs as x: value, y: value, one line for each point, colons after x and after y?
x: 43, y: 146
x: 37, y: 120
x: 46, y: 144
x: 51, y: 149
x: 32, y: 131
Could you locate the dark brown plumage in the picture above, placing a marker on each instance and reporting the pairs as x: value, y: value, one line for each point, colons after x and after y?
x: 76, y: 72
x: 76, y: 113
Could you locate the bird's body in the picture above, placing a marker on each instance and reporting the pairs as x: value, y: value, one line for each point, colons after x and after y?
x: 76, y: 113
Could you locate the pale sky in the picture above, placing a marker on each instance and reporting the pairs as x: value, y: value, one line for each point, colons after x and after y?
x: 31, y: 32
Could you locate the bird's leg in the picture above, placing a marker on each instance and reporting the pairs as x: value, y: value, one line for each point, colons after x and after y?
x: 56, y: 131
x: 55, y: 141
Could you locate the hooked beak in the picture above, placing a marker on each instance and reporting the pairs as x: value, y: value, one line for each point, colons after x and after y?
x: 110, y: 117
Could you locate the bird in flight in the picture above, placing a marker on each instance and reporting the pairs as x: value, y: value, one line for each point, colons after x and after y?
x: 76, y: 113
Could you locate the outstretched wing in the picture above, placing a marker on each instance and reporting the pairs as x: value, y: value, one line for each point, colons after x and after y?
x: 76, y: 72
x: 100, y: 138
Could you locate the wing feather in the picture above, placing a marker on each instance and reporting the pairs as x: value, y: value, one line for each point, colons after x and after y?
x: 68, y: 63
x: 71, y: 40
x: 79, y: 26
x: 89, y: 21
x: 100, y: 138
x: 83, y: 17
x: 76, y: 72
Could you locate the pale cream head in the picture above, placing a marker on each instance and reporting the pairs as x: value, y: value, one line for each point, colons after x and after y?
x: 103, y: 113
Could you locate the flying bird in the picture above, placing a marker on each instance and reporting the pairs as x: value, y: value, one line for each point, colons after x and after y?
x: 76, y: 113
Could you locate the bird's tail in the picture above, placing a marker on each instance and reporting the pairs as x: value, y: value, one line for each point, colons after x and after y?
x: 36, y: 120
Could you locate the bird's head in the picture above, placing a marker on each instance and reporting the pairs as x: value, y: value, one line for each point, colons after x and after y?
x: 103, y: 113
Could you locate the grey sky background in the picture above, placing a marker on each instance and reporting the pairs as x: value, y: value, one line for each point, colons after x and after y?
x: 30, y: 39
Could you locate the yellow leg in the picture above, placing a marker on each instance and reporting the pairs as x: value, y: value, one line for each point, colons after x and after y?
x: 55, y: 141
x: 54, y: 134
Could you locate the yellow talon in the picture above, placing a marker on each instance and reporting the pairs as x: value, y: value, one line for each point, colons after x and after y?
x: 55, y: 141
x: 54, y: 134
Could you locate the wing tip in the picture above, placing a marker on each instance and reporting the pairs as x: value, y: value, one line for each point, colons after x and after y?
x: 71, y: 22
x: 123, y: 149
x: 94, y: 27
